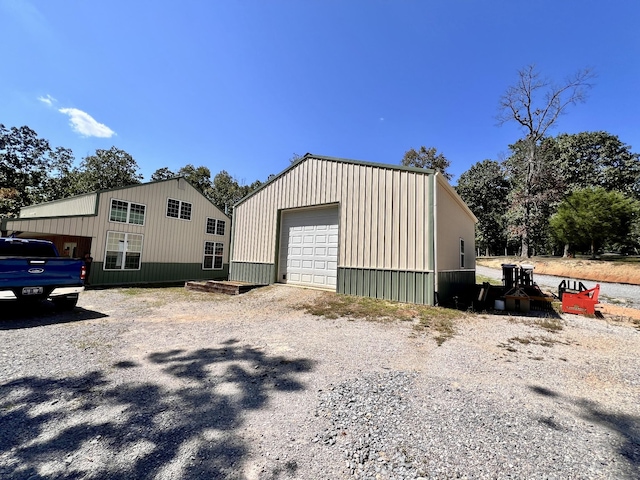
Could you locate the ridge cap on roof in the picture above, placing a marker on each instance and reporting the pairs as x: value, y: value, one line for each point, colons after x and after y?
x: 309, y: 156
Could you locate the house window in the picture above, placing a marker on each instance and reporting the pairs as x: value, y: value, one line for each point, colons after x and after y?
x: 215, y: 227
x: 178, y: 209
x: 124, y: 251
x: 212, y: 256
x: 461, y: 253
x: 127, y: 212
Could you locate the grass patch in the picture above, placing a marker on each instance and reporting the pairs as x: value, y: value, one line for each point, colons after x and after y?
x: 607, y: 268
x: 483, y: 279
x: 529, y: 340
x: 132, y: 292
x: 158, y: 297
x: 552, y: 325
x: 437, y: 319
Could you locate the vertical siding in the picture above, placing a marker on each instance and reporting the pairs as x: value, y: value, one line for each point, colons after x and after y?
x: 452, y: 284
x: 399, y: 286
x: 384, y: 215
x: 80, y: 205
x: 166, y: 241
x: 449, y: 232
x: 260, y: 273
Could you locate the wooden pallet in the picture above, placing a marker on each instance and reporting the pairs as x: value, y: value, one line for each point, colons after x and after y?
x: 226, y: 287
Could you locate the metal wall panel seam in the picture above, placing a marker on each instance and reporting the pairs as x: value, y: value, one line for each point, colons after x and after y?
x: 433, y: 225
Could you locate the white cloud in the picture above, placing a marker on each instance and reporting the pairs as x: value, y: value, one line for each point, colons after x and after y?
x: 48, y: 100
x: 85, y: 124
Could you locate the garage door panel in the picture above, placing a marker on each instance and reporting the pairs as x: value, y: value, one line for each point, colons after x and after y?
x: 316, y: 231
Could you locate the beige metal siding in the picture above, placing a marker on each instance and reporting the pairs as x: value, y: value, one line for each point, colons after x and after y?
x: 384, y: 214
x: 166, y: 240
x: 453, y: 222
x: 80, y: 205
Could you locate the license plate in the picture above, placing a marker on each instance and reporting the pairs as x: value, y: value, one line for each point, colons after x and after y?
x: 32, y: 291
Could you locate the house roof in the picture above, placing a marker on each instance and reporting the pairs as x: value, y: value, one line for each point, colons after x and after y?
x: 307, y: 156
x: 98, y: 193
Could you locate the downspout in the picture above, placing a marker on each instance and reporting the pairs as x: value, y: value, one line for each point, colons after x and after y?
x: 434, y: 239
x: 233, y: 234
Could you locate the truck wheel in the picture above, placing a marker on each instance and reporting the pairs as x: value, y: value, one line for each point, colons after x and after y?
x: 65, y: 303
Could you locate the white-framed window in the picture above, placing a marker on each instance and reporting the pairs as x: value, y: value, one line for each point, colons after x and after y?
x: 123, y: 252
x: 127, y: 212
x: 215, y: 227
x: 462, y: 253
x: 212, y: 259
x: 178, y: 209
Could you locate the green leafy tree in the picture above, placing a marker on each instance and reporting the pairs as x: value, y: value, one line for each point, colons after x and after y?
x: 484, y: 188
x: 427, y: 158
x: 199, y: 177
x: 107, y: 169
x: 596, y: 159
x: 226, y: 191
x: 535, y: 104
x: 591, y: 217
x: 162, y: 174
x: 62, y: 177
x: 26, y: 163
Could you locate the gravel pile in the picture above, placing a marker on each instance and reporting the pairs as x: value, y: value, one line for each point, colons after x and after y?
x: 397, y: 426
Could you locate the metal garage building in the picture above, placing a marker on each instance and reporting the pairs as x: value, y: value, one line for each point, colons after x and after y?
x: 156, y: 232
x: 358, y: 228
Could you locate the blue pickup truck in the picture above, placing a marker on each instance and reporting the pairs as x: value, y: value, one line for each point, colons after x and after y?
x: 32, y: 270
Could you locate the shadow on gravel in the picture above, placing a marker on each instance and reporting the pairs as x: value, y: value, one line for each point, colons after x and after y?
x: 26, y: 315
x: 89, y: 427
x: 627, y: 427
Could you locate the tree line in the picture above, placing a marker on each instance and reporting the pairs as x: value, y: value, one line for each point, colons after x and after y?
x: 572, y: 193
x: 32, y: 171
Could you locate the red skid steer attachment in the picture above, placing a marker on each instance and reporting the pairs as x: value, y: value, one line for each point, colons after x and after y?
x: 583, y: 303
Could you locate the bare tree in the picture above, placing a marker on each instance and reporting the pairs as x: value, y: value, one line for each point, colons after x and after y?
x: 536, y: 103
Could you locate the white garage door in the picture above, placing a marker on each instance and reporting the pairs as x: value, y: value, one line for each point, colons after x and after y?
x: 309, y: 247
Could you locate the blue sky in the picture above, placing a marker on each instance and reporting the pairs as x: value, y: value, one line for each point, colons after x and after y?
x: 242, y: 85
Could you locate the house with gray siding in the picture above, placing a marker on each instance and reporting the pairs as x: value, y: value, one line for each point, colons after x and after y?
x: 359, y: 228
x: 157, y: 232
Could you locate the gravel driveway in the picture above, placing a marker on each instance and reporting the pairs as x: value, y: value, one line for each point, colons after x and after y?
x: 167, y: 384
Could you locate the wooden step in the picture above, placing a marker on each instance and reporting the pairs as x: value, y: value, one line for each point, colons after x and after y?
x: 217, y: 286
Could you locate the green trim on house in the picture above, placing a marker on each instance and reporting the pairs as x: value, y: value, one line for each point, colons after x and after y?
x: 260, y: 273
x: 154, y: 273
x: 400, y: 286
x: 455, y: 283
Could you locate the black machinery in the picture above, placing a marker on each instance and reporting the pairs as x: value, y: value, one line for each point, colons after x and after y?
x: 518, y: 292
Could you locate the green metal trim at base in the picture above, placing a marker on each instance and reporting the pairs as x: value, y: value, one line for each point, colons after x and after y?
x: 154, y: 273
x: 261, y: 273
x: 400, y: 286
x: 459, y: 283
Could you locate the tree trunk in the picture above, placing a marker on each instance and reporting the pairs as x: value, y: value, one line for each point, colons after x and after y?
x: 524, y: 252
x: 565, y: 254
